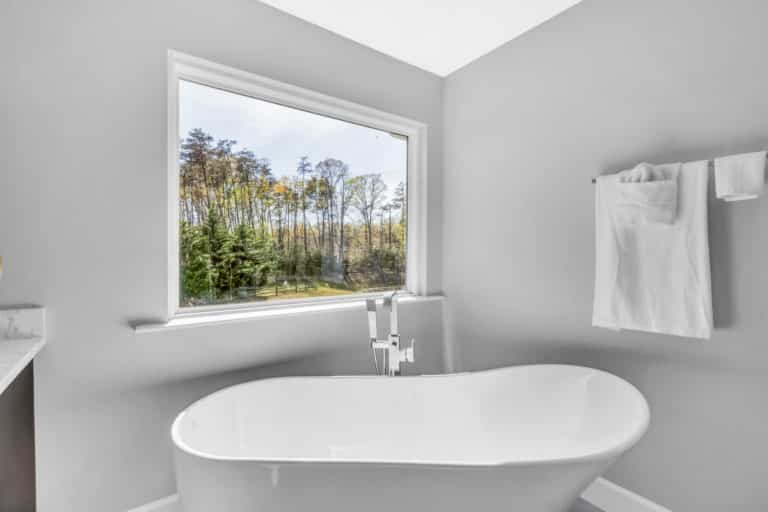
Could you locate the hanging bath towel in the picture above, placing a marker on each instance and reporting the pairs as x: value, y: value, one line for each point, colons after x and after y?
x: 653, y: 275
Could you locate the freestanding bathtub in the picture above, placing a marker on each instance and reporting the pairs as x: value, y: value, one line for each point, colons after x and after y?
x: 518, y: 439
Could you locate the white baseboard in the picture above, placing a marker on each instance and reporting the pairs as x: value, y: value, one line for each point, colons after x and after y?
x: 603, y: 494
x: 167, y: 504
x: 610, y: 497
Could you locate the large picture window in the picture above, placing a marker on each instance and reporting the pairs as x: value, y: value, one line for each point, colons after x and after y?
x: 280, y: 201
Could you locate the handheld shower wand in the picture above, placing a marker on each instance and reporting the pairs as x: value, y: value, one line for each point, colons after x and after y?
x: 370, y: 304
x: 376, y: 345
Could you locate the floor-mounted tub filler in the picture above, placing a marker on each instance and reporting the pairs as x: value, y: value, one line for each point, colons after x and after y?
x: 525, y: 438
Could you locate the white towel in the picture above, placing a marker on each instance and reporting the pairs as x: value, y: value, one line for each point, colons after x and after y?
x: 740, y: 177
x: 648, y: 194
x: 654, y: 276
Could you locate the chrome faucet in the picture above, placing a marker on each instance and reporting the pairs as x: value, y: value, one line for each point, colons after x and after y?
x: 393, y: 356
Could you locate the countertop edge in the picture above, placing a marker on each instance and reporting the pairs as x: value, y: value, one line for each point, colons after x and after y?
x: 15, y: 355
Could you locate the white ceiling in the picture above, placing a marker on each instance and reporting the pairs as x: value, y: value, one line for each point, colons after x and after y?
x: 437, y: 35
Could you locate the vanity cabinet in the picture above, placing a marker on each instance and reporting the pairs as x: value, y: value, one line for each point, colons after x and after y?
x: 17, y: 444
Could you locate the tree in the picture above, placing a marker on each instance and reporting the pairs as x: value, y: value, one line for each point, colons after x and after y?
x: 367, y: 195
x: 220, y: 243
x: 196, y: 155
x: 240, y: 224
x: 264, y: 197
x: 335, y: 173
x: 387, y: 209
x: 197, y: 274
x: 345, y: 197
x: 222, y: 181
x: 253, y: 259
x: 400, y: 200
x: 304, y: 169
x: 247, y: 168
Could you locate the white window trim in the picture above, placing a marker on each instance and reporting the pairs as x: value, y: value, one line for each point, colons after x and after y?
x: 186, y: 67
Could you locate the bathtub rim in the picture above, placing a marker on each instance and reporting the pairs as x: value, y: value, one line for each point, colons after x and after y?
x: 611, y: 451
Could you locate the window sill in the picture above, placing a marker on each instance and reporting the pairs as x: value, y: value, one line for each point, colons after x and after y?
x: 211, y: 318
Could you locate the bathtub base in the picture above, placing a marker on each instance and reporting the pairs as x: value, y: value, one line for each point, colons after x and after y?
x: 247, y: 486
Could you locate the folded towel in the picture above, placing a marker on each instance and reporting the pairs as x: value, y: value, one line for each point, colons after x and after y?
x: 740, y: 177
x: 648, y: 194
x: 654, y: 276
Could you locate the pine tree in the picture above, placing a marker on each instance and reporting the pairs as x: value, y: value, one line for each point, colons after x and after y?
x: 197, y: 274
x: 220, y: 243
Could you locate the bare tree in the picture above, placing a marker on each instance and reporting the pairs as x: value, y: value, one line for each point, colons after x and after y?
x: 335, y: 173
x: 304, y: 169
x: 367, y: 196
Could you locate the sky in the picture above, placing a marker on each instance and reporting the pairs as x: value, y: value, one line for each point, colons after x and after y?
x: 284, y: 135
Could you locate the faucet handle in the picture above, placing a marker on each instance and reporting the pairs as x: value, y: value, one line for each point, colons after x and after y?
x: 379, y: 344
x: 409, y: 354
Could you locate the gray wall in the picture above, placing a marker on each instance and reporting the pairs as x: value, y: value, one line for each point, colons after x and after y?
x: 603, y: 86
x: 82, y: 226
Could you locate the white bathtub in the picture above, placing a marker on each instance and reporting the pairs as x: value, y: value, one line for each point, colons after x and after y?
x: 526, y: 438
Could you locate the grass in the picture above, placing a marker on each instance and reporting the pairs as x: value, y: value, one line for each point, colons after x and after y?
x: 320, y: 290
x: 312, y: 290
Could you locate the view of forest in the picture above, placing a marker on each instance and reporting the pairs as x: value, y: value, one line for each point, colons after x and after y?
x: 248, y: 235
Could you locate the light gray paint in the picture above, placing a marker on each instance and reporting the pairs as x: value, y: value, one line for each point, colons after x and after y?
x: 583, y: 506
x: 605, y: 85
x: 82, y: 226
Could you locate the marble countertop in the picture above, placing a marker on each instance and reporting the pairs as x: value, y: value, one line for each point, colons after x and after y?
x: 15, y: 355
x: 22, y: 336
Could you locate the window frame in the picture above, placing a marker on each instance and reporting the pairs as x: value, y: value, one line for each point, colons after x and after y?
x: 194, y: 69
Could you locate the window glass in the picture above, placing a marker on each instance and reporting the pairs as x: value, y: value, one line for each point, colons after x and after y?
x: 279, y: 203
